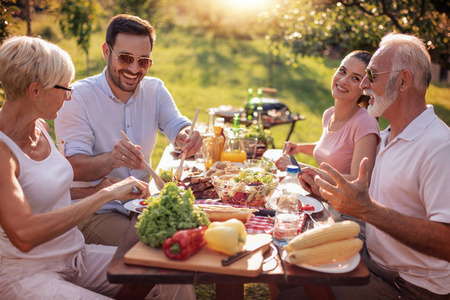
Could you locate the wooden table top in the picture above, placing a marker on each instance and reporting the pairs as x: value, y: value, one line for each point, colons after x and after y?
x: 274, y: 271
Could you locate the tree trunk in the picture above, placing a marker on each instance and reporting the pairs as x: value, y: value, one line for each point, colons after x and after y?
x: 270, y: 67
x: 28, y: 8
x: 87, y: 64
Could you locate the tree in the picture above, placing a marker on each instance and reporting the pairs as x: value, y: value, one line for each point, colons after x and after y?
x: 330, y: 26
x: 146, y: 9
x: 7, y: 10
x: 78, y: 18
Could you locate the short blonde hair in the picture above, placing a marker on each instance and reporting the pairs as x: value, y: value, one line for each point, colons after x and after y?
x: 410, y: 54
x: 24, y: 60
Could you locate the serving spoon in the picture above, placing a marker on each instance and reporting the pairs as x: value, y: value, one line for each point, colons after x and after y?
x: 158, y: 181
x: 179, y: 171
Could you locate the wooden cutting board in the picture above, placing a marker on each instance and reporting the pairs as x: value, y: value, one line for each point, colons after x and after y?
x: 205, y: 260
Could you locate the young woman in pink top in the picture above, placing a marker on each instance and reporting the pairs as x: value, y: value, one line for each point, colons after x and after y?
x: 349, y: 133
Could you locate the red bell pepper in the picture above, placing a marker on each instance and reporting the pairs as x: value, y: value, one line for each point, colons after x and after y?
x: 184, y: 243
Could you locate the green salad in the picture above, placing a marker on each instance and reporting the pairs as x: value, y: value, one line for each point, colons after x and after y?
x: 248, y: 176
x: 166, y: 175
x: 172, y: 210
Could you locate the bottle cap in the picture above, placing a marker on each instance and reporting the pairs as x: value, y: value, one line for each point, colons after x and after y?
x: 292, y: 169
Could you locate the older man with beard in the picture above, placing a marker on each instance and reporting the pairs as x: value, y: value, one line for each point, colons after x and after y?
x: 119, y: 99
x: 407, y: 206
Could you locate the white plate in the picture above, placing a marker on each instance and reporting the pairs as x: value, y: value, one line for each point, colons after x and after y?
x: 336, y: 268
x: 318, y: 206
x: 133, y: 205
x: 273, y: 154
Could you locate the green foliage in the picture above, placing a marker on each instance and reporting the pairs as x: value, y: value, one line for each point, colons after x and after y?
x: 7, y: 9
x: 146, y: 9
x: 78, y: 19
x: 49, y: 33
x: 325, y: 27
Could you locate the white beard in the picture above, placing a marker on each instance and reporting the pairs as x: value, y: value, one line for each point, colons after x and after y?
x: 381, y: 103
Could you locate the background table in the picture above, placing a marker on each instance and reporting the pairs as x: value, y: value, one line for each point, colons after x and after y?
x: 267, y: 121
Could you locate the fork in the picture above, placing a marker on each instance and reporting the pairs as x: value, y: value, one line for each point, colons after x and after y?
x: 179, y: 171
x: 158, y: 181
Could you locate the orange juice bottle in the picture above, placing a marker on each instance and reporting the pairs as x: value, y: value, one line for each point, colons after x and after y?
x: 212, y: 143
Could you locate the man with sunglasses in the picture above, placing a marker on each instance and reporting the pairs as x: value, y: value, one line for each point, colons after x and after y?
x: 407, y: 206
x: 88, y: 129
x: 121, y: 98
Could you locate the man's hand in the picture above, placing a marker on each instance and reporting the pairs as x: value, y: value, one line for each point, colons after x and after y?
x: 283, y: 162
x: 349, y: 197
x: 307, y: 180
x: 126, y: 154
x: 190, y: 145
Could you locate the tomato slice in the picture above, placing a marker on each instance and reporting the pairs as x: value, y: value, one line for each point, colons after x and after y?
x: 308, y: 207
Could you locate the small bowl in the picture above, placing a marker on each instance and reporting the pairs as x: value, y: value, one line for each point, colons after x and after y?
x: 254, y: 196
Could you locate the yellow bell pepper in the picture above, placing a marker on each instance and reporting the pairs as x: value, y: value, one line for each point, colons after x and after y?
x: 228, y: 237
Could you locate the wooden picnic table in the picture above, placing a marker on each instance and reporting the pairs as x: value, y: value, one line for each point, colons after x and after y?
x: 138, y: 280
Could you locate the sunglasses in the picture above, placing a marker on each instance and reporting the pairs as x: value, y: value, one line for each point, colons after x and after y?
x: 128, y: 59
x: 68, y: 90
x: 371, y: 75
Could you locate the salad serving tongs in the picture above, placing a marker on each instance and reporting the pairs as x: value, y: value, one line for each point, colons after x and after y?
x: 179, y: 171
x: 158, y: 181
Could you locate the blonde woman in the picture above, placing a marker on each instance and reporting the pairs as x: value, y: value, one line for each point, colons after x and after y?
x: 42, y: 253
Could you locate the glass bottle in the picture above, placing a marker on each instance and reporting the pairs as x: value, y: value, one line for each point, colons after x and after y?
x: 219, y: 125
x: 257, y: 102
x: 249, y: 106
x: 211, y: 144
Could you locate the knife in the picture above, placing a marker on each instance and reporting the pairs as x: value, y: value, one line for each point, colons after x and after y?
x: 265, y: 212
x: 294, y: 162
x: 254, y: 242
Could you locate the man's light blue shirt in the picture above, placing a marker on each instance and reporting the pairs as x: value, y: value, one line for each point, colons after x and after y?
x: 91, y: 122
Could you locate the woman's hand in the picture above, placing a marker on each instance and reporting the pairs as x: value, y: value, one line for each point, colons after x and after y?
x: 129, y: 188
x: 290, y: 148
x: 107, y: 181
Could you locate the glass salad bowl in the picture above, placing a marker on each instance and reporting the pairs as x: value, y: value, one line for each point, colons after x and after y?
x: 245, y: 187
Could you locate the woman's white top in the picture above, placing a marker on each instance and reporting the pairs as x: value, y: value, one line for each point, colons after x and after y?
x: 46, y: 186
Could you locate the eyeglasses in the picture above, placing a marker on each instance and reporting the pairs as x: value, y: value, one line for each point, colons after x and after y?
x: 68, y: 90
x: 370, y: 75
x: 128, y: 59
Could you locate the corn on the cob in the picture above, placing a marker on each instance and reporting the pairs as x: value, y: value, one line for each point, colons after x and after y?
x: 324, y: 234
x: 327, y: 253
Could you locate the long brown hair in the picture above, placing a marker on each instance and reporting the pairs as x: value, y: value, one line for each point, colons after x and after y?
x: 365, y: 57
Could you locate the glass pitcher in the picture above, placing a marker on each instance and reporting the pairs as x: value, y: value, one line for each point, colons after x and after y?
x: 234, y: 149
